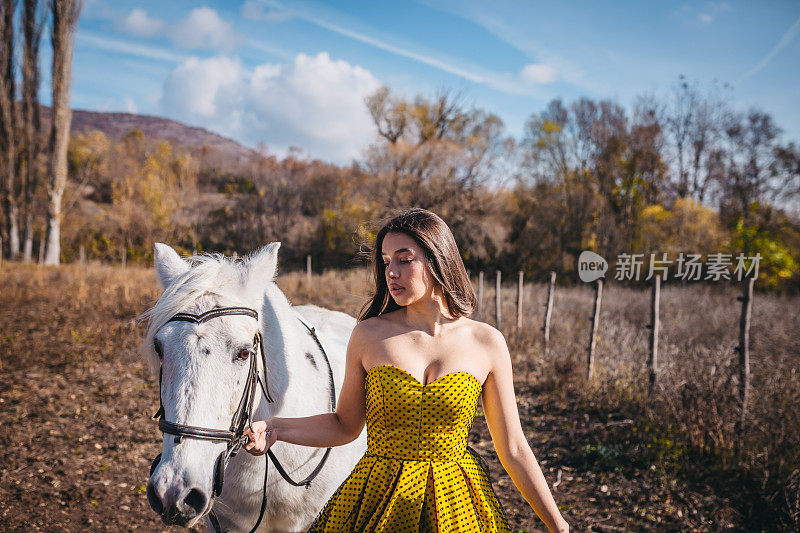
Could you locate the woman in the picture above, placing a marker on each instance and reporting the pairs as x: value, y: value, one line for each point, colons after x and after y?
x: 415, y: 367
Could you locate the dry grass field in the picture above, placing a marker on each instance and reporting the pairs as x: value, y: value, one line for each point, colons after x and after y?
x: 76, y: 399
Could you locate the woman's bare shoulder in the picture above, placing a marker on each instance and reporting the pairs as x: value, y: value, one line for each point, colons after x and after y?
x: 376, y: 327
x: 484, y: 334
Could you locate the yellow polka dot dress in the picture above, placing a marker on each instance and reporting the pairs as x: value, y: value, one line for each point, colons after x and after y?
x: 418, y: 474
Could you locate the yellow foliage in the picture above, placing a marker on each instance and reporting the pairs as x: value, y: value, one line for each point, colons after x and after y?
x: 688, y: 227
x: 153, y: 188
x: 655, y: 212
x: 551, y: 127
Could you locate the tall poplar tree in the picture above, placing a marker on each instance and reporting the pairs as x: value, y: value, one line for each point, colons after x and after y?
x: 65, y: 20
x: 32, y: 24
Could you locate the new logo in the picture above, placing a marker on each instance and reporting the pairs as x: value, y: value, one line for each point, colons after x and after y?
x: 591, y: 266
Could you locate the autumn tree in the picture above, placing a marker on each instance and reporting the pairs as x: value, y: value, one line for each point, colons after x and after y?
x: 441, y: 155
x: 8, y: 125
x: 693, y: 119
x: 753, y: 170
x: 32, y: 25
x: 587, y: 173
x: 556, y: 198
x: 787, y: 169
x: 687, y: 227
x: 144, y: 190
x: 65, y: 19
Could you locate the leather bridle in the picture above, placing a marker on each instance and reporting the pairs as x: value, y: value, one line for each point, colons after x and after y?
x: 242, y: 417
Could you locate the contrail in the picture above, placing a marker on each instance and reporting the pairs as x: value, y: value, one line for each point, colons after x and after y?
x: 790, y: 34
x: 497, y: 81
x: 422, y: 58
x: 140, y: 50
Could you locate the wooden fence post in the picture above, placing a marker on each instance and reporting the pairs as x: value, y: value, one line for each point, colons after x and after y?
x: 82, y: 255
x: 598, y: 296
x: 480, y: 294
x: 548, y: 312
x: 519, y: 301
x: 308, y: 271
x: 41, y: 250
x: 497, y: 299
x: 744, y: 351
x: 124, y: 256
x: 652, y: 363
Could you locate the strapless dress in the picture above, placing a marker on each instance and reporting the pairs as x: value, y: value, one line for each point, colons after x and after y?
x: 418, y: 473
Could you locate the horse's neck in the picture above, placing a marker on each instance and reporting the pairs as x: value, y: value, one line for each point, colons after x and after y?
x: 284, y: 343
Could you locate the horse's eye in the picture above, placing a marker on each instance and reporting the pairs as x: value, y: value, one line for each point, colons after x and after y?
x: 157, y: 348
x: 244, y: 353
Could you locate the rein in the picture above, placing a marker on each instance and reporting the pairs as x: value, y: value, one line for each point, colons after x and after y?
x: 242, y: 417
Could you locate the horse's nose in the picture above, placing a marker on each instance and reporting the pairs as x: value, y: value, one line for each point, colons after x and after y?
x: 153, y: 499
x: 194, y: 502
x: 177, y: 508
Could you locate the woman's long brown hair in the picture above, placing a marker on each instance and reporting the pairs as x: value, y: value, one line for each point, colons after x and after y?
x: 441, y: 254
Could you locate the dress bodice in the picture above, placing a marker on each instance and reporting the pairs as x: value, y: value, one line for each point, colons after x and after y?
x: 431, y: 421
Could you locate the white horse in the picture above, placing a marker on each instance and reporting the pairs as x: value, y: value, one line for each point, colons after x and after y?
x: 204, y: 371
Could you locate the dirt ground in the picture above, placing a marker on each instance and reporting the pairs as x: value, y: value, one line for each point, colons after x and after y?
x: 77, y: 439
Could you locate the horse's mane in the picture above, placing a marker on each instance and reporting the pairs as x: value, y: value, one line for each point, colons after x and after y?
x: 210, y: 274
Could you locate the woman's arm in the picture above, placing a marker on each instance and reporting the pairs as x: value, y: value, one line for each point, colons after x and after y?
x: 326, y: 429
x: 513, y: 450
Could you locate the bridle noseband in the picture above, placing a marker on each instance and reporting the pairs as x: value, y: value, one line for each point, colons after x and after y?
x: 242, y: 417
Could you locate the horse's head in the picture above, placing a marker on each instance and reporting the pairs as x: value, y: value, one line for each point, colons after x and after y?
x: 206, y: 363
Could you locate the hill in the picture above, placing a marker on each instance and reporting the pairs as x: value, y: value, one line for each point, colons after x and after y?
x: 115, y: 125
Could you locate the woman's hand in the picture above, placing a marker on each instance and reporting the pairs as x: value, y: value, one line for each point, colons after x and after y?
x: 262, y: 435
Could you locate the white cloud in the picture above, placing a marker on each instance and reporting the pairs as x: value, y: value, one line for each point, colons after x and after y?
x: 719, y: 6
x: 138, y: 23
x: 315, y: 103
x: 204, y: 28
x: 703, y: 15
x: 197, y: 88
x: 97, y: 9
x: 129, y: 105
x: 254, y: 10
x: 538, y: 73
x: 705, y: 18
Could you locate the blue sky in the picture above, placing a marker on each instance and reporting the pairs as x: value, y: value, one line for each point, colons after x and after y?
x: 296, y: 73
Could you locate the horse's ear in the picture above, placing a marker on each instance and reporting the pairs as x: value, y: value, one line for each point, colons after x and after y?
x: 169, y: 264
x: 262, y: 267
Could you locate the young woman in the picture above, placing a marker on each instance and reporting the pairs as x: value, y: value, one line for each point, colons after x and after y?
x: 415, y: 368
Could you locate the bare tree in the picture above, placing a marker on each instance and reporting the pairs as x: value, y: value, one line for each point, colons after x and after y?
x: 694, y: 123
x: 750, y: 179
x: 8, y: 119
x: 388, y: 114
x: 787, y: 168
x: 443, y: 116
x: 32, y: 24
x: 65, y: 19
x: 678, y: 124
